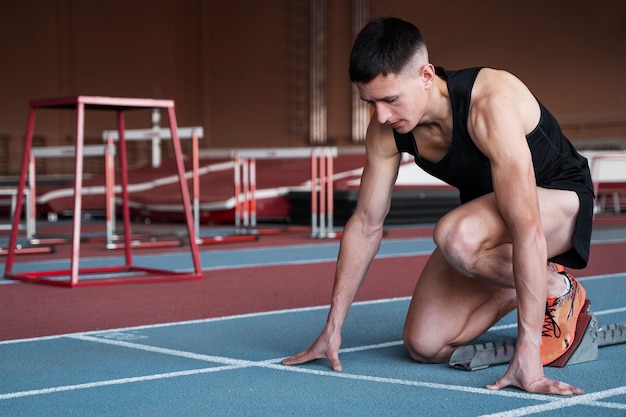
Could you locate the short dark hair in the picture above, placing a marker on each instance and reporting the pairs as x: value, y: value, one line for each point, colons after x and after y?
x: 384, y: 45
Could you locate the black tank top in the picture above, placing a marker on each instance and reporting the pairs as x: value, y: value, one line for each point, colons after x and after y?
x: 556, y: 162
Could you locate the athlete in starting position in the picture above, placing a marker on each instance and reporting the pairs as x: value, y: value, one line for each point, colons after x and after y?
x: 527, y: 208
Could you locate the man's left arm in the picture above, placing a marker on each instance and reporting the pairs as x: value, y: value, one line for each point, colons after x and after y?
x: 498, y: 132
x: 502, y: 111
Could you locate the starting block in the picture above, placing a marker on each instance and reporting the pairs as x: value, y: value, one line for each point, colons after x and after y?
x: 482, y: 355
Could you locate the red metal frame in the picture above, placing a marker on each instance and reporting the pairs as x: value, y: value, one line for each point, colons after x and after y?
x: 80, y: 104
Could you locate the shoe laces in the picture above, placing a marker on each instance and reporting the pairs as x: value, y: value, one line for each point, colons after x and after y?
x: 550, y: 326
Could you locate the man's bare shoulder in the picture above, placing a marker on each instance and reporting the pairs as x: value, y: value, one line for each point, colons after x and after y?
x: 492, y: 82
x: 500, y: 94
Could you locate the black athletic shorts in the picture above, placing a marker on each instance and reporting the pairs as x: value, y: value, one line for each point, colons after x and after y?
x: 578, y: 256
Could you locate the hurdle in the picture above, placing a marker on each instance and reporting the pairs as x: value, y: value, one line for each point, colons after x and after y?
x: 155, y: 135
x: 28, y: 225
x: 29, y: 250
x: 321, y: 187
x: 51, y: 152
x: 133, y: 135
x: 245, y: 194
x: 128, y: 272
x: 227, y: 238
x: 602, y: 194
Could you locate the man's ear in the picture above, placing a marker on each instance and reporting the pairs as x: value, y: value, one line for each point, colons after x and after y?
x: 427, y: 72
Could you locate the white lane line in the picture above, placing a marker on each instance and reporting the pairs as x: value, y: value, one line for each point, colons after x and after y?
x: 165, y: 351
x: 585, y: 399
x: 610, y: 311
x: 120, y: 381
x: 370, y: 347
x: 616, y: 406
x: 273, y: 364
x: 422, y: 384
x: 232, y: 364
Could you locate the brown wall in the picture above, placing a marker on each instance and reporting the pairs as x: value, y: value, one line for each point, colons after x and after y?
x: 228, y: 64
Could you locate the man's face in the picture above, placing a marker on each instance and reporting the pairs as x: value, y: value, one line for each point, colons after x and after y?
x: 398, y: 100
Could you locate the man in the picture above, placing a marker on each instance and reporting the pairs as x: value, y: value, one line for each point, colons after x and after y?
x: 527, y: 202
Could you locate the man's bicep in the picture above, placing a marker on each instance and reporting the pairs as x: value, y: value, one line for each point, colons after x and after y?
x: 515, y: 187
x: 499, y: 134
x: 377, y: 182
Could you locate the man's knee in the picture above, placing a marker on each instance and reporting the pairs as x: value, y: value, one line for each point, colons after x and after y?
x: 457, y: 239
x: 427, y: 350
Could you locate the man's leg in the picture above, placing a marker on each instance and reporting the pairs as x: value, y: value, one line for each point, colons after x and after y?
x: 467, y: 284
x: 449, y: 310
x: 476, y: 241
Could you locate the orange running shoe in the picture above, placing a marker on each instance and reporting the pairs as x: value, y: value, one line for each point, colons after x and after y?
x: 559, y: 327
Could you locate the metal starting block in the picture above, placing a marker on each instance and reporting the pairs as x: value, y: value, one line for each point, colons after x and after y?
x: 482, y: 355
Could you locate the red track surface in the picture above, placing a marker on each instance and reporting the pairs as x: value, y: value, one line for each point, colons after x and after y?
x: 30, y: 310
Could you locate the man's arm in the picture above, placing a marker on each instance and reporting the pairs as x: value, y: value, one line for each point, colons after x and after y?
x: 360, y: 240
x: 502, y: 113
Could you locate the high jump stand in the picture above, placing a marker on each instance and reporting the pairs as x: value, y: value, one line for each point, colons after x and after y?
x: 100, y: 276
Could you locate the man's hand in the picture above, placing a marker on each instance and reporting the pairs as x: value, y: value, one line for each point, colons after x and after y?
x: 532, y: 381
x: 325, y: 346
